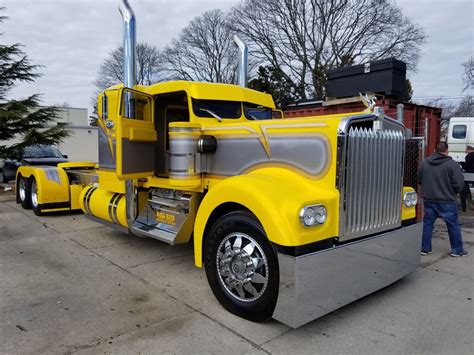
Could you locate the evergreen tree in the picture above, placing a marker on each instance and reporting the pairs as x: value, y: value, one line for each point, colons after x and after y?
x: 23, y: 118
x: 273, y: 82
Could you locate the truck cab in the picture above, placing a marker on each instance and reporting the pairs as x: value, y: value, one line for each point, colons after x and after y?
x: 291, y: 218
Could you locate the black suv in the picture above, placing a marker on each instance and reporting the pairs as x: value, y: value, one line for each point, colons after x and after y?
x: 32, y: 155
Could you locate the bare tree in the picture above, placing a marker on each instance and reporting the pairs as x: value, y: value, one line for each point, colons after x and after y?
x: 468, y: 74
x: 305, y: 38
x: 204, y: 51
x: 465, y: 108
x: 149, y: 67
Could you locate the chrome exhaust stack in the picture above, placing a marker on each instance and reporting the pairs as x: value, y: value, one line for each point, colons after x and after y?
x: 129, y: 81
x: 129, y: 51
x: 243, y: 61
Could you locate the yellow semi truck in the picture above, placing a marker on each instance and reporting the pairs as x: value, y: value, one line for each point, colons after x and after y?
x: 291, y: 218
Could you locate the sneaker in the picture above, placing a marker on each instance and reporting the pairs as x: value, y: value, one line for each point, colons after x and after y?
x: 463, y: 253
x: 424, y: 253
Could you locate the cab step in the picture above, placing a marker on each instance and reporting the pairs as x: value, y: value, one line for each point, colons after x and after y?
x: 168, y: 216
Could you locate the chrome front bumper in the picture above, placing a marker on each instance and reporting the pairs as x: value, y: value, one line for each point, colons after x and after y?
x: 316, y: 284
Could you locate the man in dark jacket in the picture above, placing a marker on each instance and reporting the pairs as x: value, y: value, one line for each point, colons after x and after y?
x: 441, y: 179
x: 469, y: 164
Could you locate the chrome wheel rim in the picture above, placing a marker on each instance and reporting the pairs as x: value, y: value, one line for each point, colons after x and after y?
x: 22, y: 189
x: 34, y: 194
x: 242, y: 267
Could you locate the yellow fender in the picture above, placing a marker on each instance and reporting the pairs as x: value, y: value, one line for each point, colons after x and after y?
x: 52, y: 182
x: 275, y: 196
x: 408, y: 212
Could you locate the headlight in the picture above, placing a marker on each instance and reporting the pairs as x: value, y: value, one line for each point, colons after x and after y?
x: 313, y: 215
x: 410, y: 199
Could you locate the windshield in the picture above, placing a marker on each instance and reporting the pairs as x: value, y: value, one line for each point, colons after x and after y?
x: 219, y: 108
x: 255, y: 112
x: 41, y: 151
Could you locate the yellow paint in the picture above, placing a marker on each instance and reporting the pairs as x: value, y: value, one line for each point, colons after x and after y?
x: 109, y: 181
x: 46, y: 210
x: 49, y: 191
x: 101, y: 202
x: 275, y: 196
x: 142, y: 135
x: 166, y: 218
x: 75, y: 191
x: 407, y: 212
x: 211, y: 91
x: 274, y: 192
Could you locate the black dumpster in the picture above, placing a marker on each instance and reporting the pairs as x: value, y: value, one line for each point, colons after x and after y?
x: 385, y: 77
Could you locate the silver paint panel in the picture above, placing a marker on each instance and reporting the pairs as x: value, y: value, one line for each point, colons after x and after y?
x: 52, y: 174
x: 236, y: 155
x: 82, y: 177
x: 318, y: 283
x: 106, y: 157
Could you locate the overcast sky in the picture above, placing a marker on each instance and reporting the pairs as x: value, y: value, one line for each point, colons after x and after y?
x: 72, y: 37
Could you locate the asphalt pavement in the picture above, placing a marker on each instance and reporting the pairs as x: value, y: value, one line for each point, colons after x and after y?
x: 71, y: 285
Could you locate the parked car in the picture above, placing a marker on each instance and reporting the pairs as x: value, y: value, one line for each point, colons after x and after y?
x: 460, y: 135
x: 32, y: 155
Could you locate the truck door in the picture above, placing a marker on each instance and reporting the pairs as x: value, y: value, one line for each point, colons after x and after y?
x: 136, y: 136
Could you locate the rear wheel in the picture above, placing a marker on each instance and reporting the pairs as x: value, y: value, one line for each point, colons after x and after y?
x: 242, y: 266
x: 3, y: 179
x: 34, y: 197
x: 23, y: 192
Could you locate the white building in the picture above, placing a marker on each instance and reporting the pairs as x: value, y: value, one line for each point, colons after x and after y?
x: 81, y: 145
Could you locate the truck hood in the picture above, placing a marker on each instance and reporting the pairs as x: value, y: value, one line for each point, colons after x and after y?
x: 44, y: 161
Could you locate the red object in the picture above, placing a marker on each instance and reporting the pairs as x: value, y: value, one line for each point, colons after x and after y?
x: 415, y: 116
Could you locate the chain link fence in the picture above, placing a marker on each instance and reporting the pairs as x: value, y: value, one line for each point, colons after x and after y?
x: 414, y: 154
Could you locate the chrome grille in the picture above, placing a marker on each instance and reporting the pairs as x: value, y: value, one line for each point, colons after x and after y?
x: 373, y: 182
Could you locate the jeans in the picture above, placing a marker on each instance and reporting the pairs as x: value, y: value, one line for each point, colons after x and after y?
x: 449, y: 213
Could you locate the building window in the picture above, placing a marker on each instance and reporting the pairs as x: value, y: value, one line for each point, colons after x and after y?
x: 459, y: 131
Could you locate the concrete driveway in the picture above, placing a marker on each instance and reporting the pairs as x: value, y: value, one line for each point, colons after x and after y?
x: 70, y: 285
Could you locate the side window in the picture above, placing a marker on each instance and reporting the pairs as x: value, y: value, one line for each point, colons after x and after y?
x: 459, y: 131
x: 256, y: 112
x: 138, y: 107
x: 105, y: 106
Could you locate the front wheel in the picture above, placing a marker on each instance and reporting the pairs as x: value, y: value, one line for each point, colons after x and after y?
x: 23, y: 192
x: 242, y: 266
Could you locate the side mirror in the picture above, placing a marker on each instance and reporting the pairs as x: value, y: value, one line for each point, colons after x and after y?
x: 65, y: 156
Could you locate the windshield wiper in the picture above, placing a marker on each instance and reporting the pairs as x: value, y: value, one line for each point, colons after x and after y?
x: 252, y: 116
x: 213, y: 114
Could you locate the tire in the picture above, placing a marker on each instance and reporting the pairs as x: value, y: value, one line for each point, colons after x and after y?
x: 3, y: 179
x: 34, y: 197
x: 23, y: 192
x: 244, y: 278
